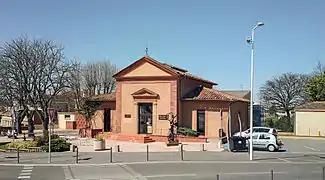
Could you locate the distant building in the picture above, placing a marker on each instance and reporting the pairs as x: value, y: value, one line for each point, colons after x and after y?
x: 258, y: 114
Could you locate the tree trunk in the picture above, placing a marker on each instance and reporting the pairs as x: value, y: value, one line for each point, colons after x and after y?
x: 30, y: 124
x: 20, y: 118
x: 46, y: 124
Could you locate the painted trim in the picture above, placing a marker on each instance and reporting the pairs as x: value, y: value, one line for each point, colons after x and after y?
x: 141, y: 61
x: 146, y: 78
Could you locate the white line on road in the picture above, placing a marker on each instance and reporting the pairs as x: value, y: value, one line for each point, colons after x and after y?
x: 26, y: 170
x: 311, y: 148
x: 23, y: 177
x: 25, y: 174
x: 169, y: 175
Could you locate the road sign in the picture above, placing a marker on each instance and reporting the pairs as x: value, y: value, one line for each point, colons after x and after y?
x: 51, y: 114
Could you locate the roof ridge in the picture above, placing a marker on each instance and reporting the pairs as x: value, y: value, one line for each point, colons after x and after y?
x: 231, y: 95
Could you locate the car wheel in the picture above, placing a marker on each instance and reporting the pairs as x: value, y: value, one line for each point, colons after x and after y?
x: 271, y: 148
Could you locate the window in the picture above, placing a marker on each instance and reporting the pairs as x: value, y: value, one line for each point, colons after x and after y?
x: 255, y: 136
x: 200, y: 122
x: 265, y: 136
x: 264, y: 130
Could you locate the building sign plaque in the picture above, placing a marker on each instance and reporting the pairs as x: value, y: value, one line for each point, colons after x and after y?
x: 163, y: 117
x: 127, y: 115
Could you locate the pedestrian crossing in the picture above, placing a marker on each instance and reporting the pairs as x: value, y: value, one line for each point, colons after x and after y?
x: 26, y: 172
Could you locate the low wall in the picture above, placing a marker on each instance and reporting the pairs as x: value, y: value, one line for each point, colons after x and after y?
x: 180, y: 138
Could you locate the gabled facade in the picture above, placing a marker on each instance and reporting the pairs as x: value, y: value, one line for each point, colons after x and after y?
x: 148, y: 90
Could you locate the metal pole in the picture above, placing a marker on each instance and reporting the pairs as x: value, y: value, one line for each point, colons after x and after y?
x: 77, y: 155
x: 111, y: 155
x: 251, y: 102
x: 49, y: 134
x: 18, y: 156
x: 147, y: 152
x: 271, y: 174
x: 182, y: 155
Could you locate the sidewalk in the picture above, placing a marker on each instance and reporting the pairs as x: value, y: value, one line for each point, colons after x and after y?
x: 86, y: 145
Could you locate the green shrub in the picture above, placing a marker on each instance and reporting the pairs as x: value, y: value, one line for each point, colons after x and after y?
x: 19, y: 144
x: 57, y: 145
x: 43, y: 140
x: 187, y: 131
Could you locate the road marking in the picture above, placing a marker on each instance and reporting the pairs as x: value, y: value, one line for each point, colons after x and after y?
x: 169, y: 175
x: 285, y: 160
x: 26, y: 170
x: 311, y: 148
x: 25, y: 174
x: 23, y: 177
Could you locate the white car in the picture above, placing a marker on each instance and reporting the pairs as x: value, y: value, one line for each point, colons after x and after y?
x: 256, y: 130
x: 268, y: 141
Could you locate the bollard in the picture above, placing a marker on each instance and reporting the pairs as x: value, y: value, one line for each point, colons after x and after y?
x: 118, y: 148
x: 18, y: 156
x: 77, y: 155
x: 218, y: 177
x: 147, y: 152
x: 182, y: 155
x: 111, y: 155
x: 203, y: 148
x: 272, y: 174
x: 324, y: 173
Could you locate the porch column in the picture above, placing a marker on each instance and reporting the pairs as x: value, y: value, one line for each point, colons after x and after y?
x: 155, y: 118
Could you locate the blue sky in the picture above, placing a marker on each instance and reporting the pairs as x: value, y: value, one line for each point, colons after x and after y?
x: 205, y: 37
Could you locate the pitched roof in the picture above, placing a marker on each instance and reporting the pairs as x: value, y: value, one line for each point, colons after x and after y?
x: 240, y: 93
x: 103, y: 97
x: 312, y: 106
x: 166, y: 67
x: 203, y: 93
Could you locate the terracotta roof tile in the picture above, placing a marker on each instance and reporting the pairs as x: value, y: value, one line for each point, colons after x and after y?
x: 312, y: 105
x: 103, y: 97
x: 181, y: 71
x: 203, y: 93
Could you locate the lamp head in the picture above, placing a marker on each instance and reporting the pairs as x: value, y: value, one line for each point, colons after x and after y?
x: 259, y: 24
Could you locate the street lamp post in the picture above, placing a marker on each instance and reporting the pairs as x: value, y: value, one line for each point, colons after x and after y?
x: 250, y: 40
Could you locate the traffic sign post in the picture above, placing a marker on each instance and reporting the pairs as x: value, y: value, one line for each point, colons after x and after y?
x: 51, y: 112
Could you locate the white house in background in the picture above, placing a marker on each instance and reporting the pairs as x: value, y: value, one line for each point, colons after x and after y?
x: 310, y: 119
x: 67, y: 120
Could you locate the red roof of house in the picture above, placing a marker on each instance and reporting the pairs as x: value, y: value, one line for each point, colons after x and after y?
x: 103, y: 97
x: 166, y: 67
x: 203, y: 93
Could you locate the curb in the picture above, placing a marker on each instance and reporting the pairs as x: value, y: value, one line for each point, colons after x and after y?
x: 162, y: 162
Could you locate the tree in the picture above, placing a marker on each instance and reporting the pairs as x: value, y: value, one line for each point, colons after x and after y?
x: 284, y: 93
x: 98, y: 77
x: 33, y: 72
x: 315, y: 87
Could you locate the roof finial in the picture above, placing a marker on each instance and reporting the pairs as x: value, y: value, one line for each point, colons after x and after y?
x: 146, y: 49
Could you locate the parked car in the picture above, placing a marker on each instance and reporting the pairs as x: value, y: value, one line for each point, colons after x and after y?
x: 268, y: 141
x: 256, y: 130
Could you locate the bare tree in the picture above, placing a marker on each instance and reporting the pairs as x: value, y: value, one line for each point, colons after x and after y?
x: 34, y: 72
x: 319, y: 69
x: 284, y: 93
x: 98, y: 77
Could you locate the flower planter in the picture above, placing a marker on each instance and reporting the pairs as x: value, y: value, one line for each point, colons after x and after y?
x: 99, y: 145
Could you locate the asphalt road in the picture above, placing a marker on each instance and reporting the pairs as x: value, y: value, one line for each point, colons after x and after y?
x: 168, y: 171
x: 302, y: 159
